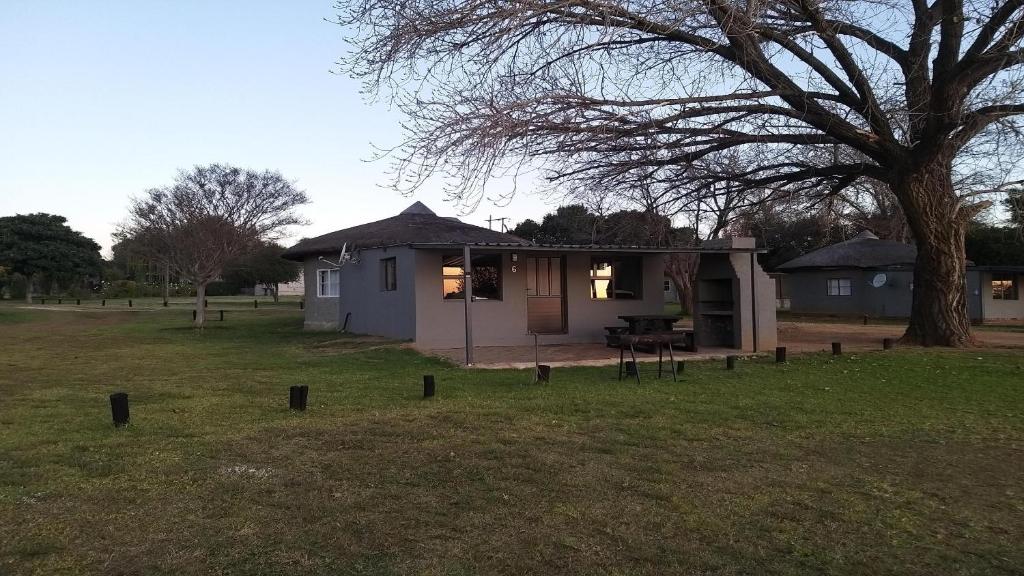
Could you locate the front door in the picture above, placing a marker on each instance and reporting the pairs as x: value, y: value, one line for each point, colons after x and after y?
x: 545, y: 295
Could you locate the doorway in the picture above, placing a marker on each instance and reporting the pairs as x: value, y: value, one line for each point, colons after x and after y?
x: 545, y: 295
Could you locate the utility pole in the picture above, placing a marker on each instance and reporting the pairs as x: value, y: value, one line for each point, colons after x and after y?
x: 491, y: 220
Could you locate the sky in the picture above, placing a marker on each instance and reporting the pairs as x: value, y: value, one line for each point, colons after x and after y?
x: 102, y: 100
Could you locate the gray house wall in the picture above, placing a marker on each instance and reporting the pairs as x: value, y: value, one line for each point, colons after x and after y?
x: 441, y: 323
x: 321, y: 313
x: 807, y: 293
x: 999, y: 309
x: 371, y: 309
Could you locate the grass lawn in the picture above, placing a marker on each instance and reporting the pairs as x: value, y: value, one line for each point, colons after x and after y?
x: 909, y: 462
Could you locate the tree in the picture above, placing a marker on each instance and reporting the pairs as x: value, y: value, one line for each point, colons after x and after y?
x: 39, y: 246
x: 572, y: 224
x: 813, y: 95
x: 265, y: 267
x: 210, y: 215
x: 1014, y: 203
x: 786, y: 238
x: 994, y: 245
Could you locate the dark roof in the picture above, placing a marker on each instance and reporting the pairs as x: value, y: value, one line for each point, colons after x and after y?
x: 998, y: 268
x: 864, y: 250
x: 638, y: 249
x: 417, y: 224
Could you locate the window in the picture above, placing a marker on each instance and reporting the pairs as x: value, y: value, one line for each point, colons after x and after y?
x: 839, y: 287
x: 668, y: 286
x: 1004, y: 287
x: 486, y: 277
x: 388, y: 274
x: 328, y: 283
x: 616, y: 278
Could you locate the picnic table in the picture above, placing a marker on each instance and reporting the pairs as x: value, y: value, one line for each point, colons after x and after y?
x: 649, y: 323
x: 660, y: 325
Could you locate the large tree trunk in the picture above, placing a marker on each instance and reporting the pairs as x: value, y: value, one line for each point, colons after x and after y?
x: 200, y: 305
x: 274, y: 290
x: 939, y: 222
x: 28, y: 288
x: 681, y: 268
x: 167, y: 281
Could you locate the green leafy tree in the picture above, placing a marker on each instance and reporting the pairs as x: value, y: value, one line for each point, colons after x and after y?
x: 572, y: 224
x: 43, y: 245
x: 1014, y: 204
x: 264, y: 267
x: 995, y: 245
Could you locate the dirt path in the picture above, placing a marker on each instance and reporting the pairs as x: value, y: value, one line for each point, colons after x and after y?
x: 815, y: 336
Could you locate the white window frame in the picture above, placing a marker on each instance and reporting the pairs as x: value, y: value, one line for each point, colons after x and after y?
x: 332, y: 273
x: 843, y: 287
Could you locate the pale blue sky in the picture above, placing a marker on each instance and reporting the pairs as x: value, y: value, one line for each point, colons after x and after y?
x: 101, y: 100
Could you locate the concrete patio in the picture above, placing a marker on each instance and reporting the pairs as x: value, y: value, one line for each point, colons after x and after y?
x: 558, y: 355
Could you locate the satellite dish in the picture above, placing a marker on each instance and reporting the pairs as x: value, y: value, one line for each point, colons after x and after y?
x: 879, y: 280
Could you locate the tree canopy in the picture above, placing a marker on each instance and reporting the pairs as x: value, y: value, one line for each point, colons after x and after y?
x: 575, y: 224
x: 43, y: 245
x: 209, y: 216
x: 701, y: 98
x: 263, y: 266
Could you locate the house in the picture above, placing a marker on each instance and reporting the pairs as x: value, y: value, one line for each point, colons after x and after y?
x: 296, y: 288
x: 866, y: 276
x: 403, y: 277
x: 669, y: 291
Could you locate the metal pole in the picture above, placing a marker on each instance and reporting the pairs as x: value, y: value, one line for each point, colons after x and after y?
x: 467, y: 293
x: 753, y: 297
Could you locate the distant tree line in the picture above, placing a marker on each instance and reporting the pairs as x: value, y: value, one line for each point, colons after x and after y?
x: 215, y: 223
x: 782, y: 233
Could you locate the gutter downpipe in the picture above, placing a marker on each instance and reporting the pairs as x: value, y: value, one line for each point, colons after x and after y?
x: 753, y: 297
x: 467, y: 289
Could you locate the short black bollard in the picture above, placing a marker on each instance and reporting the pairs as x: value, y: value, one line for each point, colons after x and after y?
x: 119, y: 408
x: 60, y: 300
x: 255, y: 304
x: 193, y: 315
x: 206, y: 303
x: 680, y: 366
x: 837, y: 348
x: 165, y: 303
x: 42, y: 300
x: 887, y: 343
x: 630, y: 368
x: 103, y: 302
x: 78, y: 302
x: 302, y: 305
x: 428, y: 386
x: 543, y: 373
x: 129, y: 303
x: 221, y: 315
x: 730, y: 362
x: 780, y: 355
x: 297, y: 397
x: 865, y: 319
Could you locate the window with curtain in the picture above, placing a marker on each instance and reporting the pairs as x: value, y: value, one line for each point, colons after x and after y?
x: 328, y: 283
x: 839, y: 287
